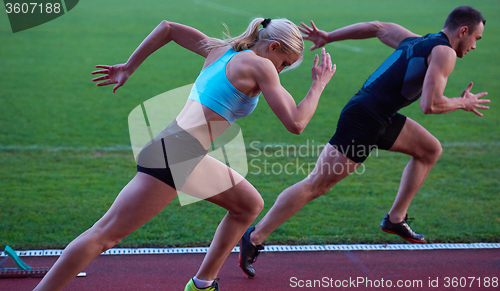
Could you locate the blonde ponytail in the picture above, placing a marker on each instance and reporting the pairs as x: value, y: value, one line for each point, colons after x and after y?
x: 281, y: 30
x: 247, y: 39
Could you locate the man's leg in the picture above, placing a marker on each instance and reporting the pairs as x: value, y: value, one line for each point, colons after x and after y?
x: 331, y: 167
x: 425, y: 149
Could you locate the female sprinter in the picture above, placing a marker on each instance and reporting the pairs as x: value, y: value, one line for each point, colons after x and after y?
x: 235, y: 72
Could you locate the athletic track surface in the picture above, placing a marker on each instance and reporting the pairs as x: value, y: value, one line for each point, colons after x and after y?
x: 424, y: 269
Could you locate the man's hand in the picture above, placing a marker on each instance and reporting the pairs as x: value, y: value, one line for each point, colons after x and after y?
x: 319, y: 37
x: 472, y: 101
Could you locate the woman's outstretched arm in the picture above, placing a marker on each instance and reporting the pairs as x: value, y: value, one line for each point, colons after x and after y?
x: 164, y: 33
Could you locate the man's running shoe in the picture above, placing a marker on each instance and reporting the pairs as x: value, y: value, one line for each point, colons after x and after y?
x: 248, y: 253
x: 402, y: 229
x: 192, y: 287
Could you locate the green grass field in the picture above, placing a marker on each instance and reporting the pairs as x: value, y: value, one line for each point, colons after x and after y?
x: 64, y: 143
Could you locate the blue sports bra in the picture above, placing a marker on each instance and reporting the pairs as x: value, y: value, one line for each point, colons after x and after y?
x: 213, y: 89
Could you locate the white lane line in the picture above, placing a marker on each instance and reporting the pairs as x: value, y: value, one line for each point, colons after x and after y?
x: 223, y: 8
x: 279, y: 248
x: 351, y: 48
x: 260, y: 146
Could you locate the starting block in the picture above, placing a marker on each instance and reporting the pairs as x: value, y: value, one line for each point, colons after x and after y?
x: 23, y: 270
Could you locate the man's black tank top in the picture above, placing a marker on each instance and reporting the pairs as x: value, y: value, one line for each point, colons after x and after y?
x: 398, y: 81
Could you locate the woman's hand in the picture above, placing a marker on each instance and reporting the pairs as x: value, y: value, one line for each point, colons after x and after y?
x: 323, y: 71
x: 117, y: 74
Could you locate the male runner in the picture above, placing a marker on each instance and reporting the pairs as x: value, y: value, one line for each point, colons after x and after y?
x: 420, y: 66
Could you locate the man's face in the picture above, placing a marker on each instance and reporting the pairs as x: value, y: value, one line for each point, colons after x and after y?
x: 468, y: 41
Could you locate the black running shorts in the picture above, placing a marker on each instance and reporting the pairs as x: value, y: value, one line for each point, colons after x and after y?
x: 358, y: 133
x: 171, y: 156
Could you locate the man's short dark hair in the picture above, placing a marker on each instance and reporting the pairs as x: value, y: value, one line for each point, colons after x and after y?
x: 464, y: 16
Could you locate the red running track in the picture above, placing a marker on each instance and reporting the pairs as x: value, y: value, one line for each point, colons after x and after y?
x: 355, y: 270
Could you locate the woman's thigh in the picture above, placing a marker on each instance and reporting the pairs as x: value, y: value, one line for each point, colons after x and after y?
x: 139, y: 201
x: 213, y: 181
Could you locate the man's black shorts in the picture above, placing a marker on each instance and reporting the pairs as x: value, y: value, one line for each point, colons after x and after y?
x: 358, y: 132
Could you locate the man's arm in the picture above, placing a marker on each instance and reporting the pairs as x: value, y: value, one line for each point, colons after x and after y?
x: 441, y: 64
x: 390, y: 34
